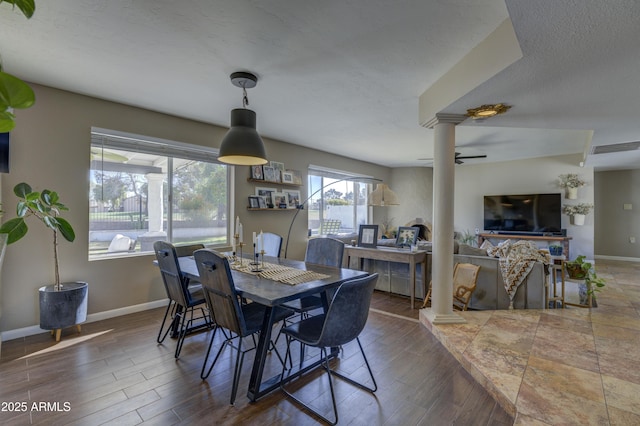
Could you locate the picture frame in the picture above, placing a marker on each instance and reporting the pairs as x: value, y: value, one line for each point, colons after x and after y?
x: 279, y: 168
x: 266, y: 194
x: 257, y: 173
x: 269, y: 174
x: 297, y: 176
x: 280, y: 200
x: 287, y: 177
x: 368, y: 236
x: 293, y: 199
x: 407, y: 236
x: 262, y: 203
x: 254, y: 202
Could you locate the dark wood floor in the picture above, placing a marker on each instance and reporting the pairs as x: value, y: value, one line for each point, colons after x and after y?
x: 115, y: 373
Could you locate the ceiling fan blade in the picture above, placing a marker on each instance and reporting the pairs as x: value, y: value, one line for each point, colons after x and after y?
x: 472, y: 156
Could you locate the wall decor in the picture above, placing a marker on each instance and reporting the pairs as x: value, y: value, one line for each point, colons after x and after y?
x: 297, y: 176
x: 270, y: 174
x: 279, y: 168
x: 267, y: 194
x: 280, y: 200
x: 293, y: 199
x: 407, y: 235
x: 287, y: 177
x: 368, y: 236
x: 256, y: 173
x: 254, y: 202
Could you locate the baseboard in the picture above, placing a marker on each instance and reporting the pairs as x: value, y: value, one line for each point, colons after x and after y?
x: 98, y: 316
x: 620, y: 258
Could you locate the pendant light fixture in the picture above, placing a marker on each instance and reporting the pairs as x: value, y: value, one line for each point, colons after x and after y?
x: 383, y: 196
x: 242, y: 145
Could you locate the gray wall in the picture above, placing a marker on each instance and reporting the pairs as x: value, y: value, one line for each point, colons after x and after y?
x: 614, y: 225
x: 472, y: 182
x: 414, y: 188
x: 50, y: 149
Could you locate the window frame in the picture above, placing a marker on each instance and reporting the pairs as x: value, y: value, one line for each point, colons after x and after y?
x: 169, y: 150
x: 357, y: 180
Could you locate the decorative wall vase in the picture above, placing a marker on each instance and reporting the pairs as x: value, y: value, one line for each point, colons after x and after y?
x: 578, y: 219
x: 571, y: 193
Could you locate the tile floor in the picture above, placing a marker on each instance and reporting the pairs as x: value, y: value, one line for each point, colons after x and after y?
x: 559, y: 366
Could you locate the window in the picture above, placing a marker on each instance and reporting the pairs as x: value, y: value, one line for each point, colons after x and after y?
x: 144, y: 189
x: 338, y: 204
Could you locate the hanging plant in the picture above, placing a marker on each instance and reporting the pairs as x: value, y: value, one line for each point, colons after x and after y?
x: 570, y: 180
x: 574, y: 209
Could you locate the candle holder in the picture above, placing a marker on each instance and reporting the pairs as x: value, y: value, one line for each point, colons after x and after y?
x: 239, y: 258
x: 255, y: 264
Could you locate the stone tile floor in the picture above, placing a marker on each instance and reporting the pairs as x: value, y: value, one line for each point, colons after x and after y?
x: 574, y: 366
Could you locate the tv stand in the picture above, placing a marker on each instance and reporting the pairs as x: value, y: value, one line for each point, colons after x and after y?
x: 564, y: 241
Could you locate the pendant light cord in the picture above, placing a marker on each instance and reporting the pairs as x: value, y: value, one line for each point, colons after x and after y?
x: 245, y: 98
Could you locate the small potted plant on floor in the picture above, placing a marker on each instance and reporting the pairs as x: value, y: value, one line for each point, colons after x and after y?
x: 61, y: 304
x: 579, y: 269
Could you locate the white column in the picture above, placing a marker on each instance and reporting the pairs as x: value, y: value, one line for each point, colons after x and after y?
x: 155, y: 211
x: 443, y: 196
x: 154, y: 202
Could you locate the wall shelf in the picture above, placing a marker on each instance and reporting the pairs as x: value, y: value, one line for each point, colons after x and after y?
x: 268, y: 182
x: 253, y: 209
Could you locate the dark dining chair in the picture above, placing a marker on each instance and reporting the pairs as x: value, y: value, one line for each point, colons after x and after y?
x: 183, y: 250
x: 320, y: 251
x: 342, y: 323
x: 325, y: 251
x: 183, y: 298
x: 241, y: 320
x: 272, y: 244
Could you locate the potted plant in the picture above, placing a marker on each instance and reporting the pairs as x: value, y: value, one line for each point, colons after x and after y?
x: 14, y: 93
x: 555, y: 249
x: 577, y: 212
x: 579, y: 269
x: 61, y: 304
x: 571, y: 182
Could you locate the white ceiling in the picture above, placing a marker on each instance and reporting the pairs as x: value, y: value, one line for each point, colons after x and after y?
x: 345, y: 76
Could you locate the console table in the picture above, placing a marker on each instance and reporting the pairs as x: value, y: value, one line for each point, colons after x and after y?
x: 391, y: 254
x: 544, y: 238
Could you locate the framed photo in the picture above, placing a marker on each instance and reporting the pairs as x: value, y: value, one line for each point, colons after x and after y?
x: 256, y: 173
x: 279, y: 168
x: 280, y: 200
x: 297, y: 176
x: 368, y: 236
x: 293, y: 199
x: 407, y: 236
x: 287, y: 177
x: 269, y: 174
x: 262, y: 203
x: 266, y: 194
x: 254, y: 202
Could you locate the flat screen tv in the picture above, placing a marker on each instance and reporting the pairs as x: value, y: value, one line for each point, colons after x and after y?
x: 529, y: 213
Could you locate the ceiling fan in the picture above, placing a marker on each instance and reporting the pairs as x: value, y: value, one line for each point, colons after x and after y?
x: 458, y: 158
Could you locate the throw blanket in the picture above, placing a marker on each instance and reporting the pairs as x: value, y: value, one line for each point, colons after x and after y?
x: 516, y: 261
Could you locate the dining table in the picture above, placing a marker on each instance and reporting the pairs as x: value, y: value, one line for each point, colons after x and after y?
x: 271, y: 294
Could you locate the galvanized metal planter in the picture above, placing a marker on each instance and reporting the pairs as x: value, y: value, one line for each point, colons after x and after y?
x: 64, y: 308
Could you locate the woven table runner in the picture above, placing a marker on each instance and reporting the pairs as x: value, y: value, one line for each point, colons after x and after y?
x: 280, y: 273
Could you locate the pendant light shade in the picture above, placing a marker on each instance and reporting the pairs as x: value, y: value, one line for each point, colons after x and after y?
x: 242, y: 145
x: 383, y: 196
